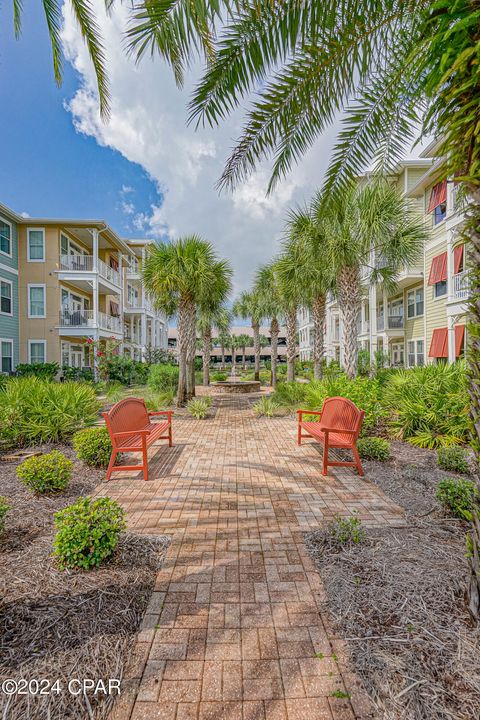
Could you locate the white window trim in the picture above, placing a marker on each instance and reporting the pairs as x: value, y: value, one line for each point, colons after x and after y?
x: 35, y: 229
x: 9, y: 282
x: 39, y: 342
x: 37, y: 285
x: 10, y: 341
x: 407, y: 293
x: 415, y: 340
x: 7, y: 222
x: 443, y: 297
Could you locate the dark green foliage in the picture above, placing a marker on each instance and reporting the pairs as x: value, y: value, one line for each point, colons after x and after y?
x: 75, y: 373
x: 457, y: 495
x: 87, y: 532
x: 453, y: 459
x: 163, y: 378
x: 374, y: 448
x: 218, y: 376
x: 4, y: 508
x: 122, y: 369
x: 289, y: 394
x: 93, y: 446
x: 45, y: 371
x: 46, y: 473
x: 35, y: 411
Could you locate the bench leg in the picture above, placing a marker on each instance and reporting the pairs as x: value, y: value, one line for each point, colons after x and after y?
x: 111, y: 464
x: 325, y: 459
x: 145, y: 458
x: 170, y: 436
x: 358, y: 461
x: 299, y: 435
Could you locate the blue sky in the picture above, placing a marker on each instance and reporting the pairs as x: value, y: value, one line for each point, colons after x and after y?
x: 48, y: 169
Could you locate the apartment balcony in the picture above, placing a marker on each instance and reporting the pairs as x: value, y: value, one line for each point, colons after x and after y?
x: 461, y: 286
x: 395, y: 322
x: 363, y: 328
x: 80, y: 322
x: 135, y: 305
x: 133, y: 270
x: 380, y: 323
x: 79, y: 270
x: 408, y: 274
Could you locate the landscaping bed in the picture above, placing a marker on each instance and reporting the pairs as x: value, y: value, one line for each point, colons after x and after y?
x: 398, y: 598
x: 66, y: 625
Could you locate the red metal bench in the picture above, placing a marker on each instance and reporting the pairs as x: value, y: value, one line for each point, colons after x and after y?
x: 338, y: 426
x: 128, y: 423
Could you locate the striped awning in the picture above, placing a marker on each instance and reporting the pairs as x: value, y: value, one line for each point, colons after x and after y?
x: 438, y: 195
x: 439, y: 344
x: 438, y: 269
x: 457, y: 258
x: 459, y: 336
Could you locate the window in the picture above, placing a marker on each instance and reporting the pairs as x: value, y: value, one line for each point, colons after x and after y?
x: 416, y: 354
x: 411, y: 353
x: 36, y: 301
x: 437, y: 204
x: 415, y: 303
x: 5, y: 237
x: 6, y: 348
x: 36, y: 245
x: 439, y: 213
x: 36, y: 351
x: 420, y: 353
x: 6, y: 297
x: 440, y: 288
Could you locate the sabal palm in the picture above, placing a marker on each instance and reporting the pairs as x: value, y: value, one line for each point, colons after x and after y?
x: 179, y: 276
x: 243, y: 341
x: 288, y: 270
x: 372, y: 220
x: 249, y: 306
x: 209, y: 318
x: 266, y: 287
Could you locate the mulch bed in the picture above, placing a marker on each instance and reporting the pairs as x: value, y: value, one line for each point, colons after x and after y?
x: 399, y: 599
x: 64, y: 626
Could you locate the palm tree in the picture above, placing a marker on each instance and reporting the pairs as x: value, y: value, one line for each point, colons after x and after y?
x: 243, y: 341
x: 179, y: 276
x: 209, y: 318
x: 374, y: 218
x: 249, y: 305
x: 234, y: 344
x: 288, y: 269
x: 223, y: 338
x: 266, y: 286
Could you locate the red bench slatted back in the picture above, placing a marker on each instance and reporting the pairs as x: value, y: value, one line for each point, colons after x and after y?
x: 342, y: 414
x: 128, y: 414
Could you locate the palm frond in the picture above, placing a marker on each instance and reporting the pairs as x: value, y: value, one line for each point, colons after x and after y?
x: 53, y: 16
x: 17, y: 17
x: 92, y: 36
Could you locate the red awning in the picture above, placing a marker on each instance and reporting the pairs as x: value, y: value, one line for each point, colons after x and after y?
x: 459, y: 335
x: 438, y: 195
x: 438, y: 269
x: 114, y: 308
x: 439, y: 344
x: 457, y: 258
x: 113, y: 263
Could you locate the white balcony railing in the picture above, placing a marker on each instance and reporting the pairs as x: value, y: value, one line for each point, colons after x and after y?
x: 380, y: 322
x: 85, y: 319
x: 461, y: 285
x: 395, y: 322
x: 84, y: 263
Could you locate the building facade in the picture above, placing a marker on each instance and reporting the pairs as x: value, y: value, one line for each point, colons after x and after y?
x: 73, y: 280
x: 216, y: 351
x: 424, y: 319
x: 9, y: 310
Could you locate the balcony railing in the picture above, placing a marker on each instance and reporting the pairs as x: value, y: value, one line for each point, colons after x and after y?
x: 380, y: 322
x: 84, y: 263
x: 395, y: 322
x: 461, y: 285
x: 85, y: 319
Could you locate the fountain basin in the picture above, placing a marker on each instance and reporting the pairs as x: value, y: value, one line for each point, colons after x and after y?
x: 237, y: 386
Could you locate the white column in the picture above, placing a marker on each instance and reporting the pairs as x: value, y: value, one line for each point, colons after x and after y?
x: 450, y: 290
x: 121, y: 301
x: 95, y: 300
x: 95, y: 250
x: 372, y: 299
x: 451, y: 338
x: 143, y: 330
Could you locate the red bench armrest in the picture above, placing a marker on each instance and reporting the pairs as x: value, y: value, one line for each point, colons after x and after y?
x: 129, y: 433
x: 300, y: 413
x: 168, y: 413
x: 336, y: 429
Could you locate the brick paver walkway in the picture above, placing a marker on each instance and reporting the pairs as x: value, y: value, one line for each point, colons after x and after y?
x: 234, y: 629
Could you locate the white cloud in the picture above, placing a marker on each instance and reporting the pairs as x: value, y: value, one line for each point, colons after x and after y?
x: 148, y: 126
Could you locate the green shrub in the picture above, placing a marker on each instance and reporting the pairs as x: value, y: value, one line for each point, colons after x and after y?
x: 44, y: 371
x: 453, y: 459
x: 163, y: 377
x: 198, y: 407
x: 158, y: 401
x: 77, y: 373
x: 93, y: 446
x: 122, y: 369
x: 374, y: 448
x: 88, y: 532
x: 46, y: 473
x: 218, y: 376
x: 289, y: 394
x: 36, y: 411
x: 429, y: 405
x: 4, y: 508
x: 267, y: 407
x: 457, y: 496
x: 365, y: 392
x: 346, y: 531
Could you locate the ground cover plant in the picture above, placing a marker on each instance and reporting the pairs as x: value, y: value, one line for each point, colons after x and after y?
x: 37, y: 411
x: 46, y: 473
x: 457, y: 496
x: 4, y: 508
x: 399, y: 598
x: 453, y: 458
x: 64, y: 624
x: 267, y: 407
x: 93, y: 446
x: 198, y: 407
x: 374, y: 448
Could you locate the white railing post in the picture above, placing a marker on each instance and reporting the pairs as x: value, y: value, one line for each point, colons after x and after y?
x: 95, y: 249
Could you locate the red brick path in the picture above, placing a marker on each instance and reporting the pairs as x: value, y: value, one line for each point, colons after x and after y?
x: 233, y: 630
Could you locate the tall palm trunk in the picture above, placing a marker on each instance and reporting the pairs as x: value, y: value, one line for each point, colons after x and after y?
x: 191, y: 352
x: 348, y: 290
x: 471, y: 234
x: 222, y: 351
x: 244, y: 359
x: 184, y: 314
x: 274, y: 330
x: 256, y: 347
x: 318, y: 315
x: 207, y: 341
x: 291, y: 323
x: 233, y: 361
